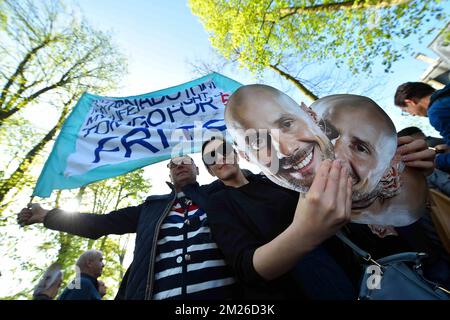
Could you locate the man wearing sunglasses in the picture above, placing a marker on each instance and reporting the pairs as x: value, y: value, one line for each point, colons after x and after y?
x: 221, y: 161
x: 175, y: 256
x: 271, y: 237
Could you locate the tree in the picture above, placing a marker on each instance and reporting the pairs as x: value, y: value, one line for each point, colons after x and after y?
x: 217, y: 63
x: 45, y: 49
x: 312, y: 80
x: 299, y: 84
x: 48, y: 57
x: 358, y: 33
x: 103, y: 196
x: 2, y: 15
x: 15, y: 180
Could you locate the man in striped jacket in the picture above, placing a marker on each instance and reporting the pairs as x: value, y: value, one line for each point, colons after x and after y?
x: 174, y: 256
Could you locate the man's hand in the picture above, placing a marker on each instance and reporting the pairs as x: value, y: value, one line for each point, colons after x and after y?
x: 415, y: 153
x: 319, y: 215
x: 32, y: 214
x: 327, y: 205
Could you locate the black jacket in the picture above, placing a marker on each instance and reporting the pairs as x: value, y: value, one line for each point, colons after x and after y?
x: 144, y: 220
x: 246, y: 218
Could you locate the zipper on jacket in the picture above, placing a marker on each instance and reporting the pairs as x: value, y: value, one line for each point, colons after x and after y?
x: 184, y: 264
x: 151, y: 274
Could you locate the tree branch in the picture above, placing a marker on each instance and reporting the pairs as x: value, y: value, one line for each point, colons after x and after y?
x: 308, y: 93
x: 344, y: 5
x: 21, y: 68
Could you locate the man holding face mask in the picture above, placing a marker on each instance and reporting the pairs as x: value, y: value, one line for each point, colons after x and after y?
x: 365, y: 138
x: 288, y: 142
x: 281, y: 137
x: 268, y: 127
x: 272, y: 238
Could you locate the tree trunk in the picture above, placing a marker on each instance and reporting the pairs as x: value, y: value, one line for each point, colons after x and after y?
x: 344, y: 5
x: 308, y: 93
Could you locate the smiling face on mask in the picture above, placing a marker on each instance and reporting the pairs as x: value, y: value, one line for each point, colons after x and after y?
x: 278, y: 135
x: 363, y: 136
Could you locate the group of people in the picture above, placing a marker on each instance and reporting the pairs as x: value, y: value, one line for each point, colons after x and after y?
x: 272, y: 235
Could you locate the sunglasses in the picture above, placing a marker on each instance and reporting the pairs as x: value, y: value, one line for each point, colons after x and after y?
x: 223, y: 151
x: 179, y: 162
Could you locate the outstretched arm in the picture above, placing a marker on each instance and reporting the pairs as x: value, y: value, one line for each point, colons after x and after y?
x: 85, y: 225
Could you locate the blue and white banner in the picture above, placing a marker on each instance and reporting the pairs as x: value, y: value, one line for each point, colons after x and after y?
x: 105, y: 137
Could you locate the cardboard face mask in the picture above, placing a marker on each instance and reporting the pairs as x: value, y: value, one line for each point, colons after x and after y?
x: 282, y: 138
x: 288, y: 143
x: 364, y: 137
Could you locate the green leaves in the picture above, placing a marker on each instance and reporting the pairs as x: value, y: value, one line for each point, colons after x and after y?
x: 355, y: 33
x: 47, y: 57
x: 47, y: 51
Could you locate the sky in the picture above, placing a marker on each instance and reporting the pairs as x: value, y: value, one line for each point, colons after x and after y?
x: 160, y: 38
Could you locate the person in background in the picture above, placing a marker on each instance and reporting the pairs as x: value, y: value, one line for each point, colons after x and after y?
x: 49, y: 284
x: 438, y: 179
x: 102, y: 288
x: 85, y: 286
x: 420, y: 99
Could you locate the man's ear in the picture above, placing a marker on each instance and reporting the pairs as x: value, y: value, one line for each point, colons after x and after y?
x: 409, y: 102
x: 197, y: 171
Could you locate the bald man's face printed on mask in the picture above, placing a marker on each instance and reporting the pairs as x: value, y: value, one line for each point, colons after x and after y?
x: 363, y: 136
x: 365, y: 139
x: 288, y: 142
x: 278, y: 135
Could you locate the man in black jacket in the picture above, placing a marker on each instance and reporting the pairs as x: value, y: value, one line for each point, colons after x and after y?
x: 271, y: 237
x: 174, y: 256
